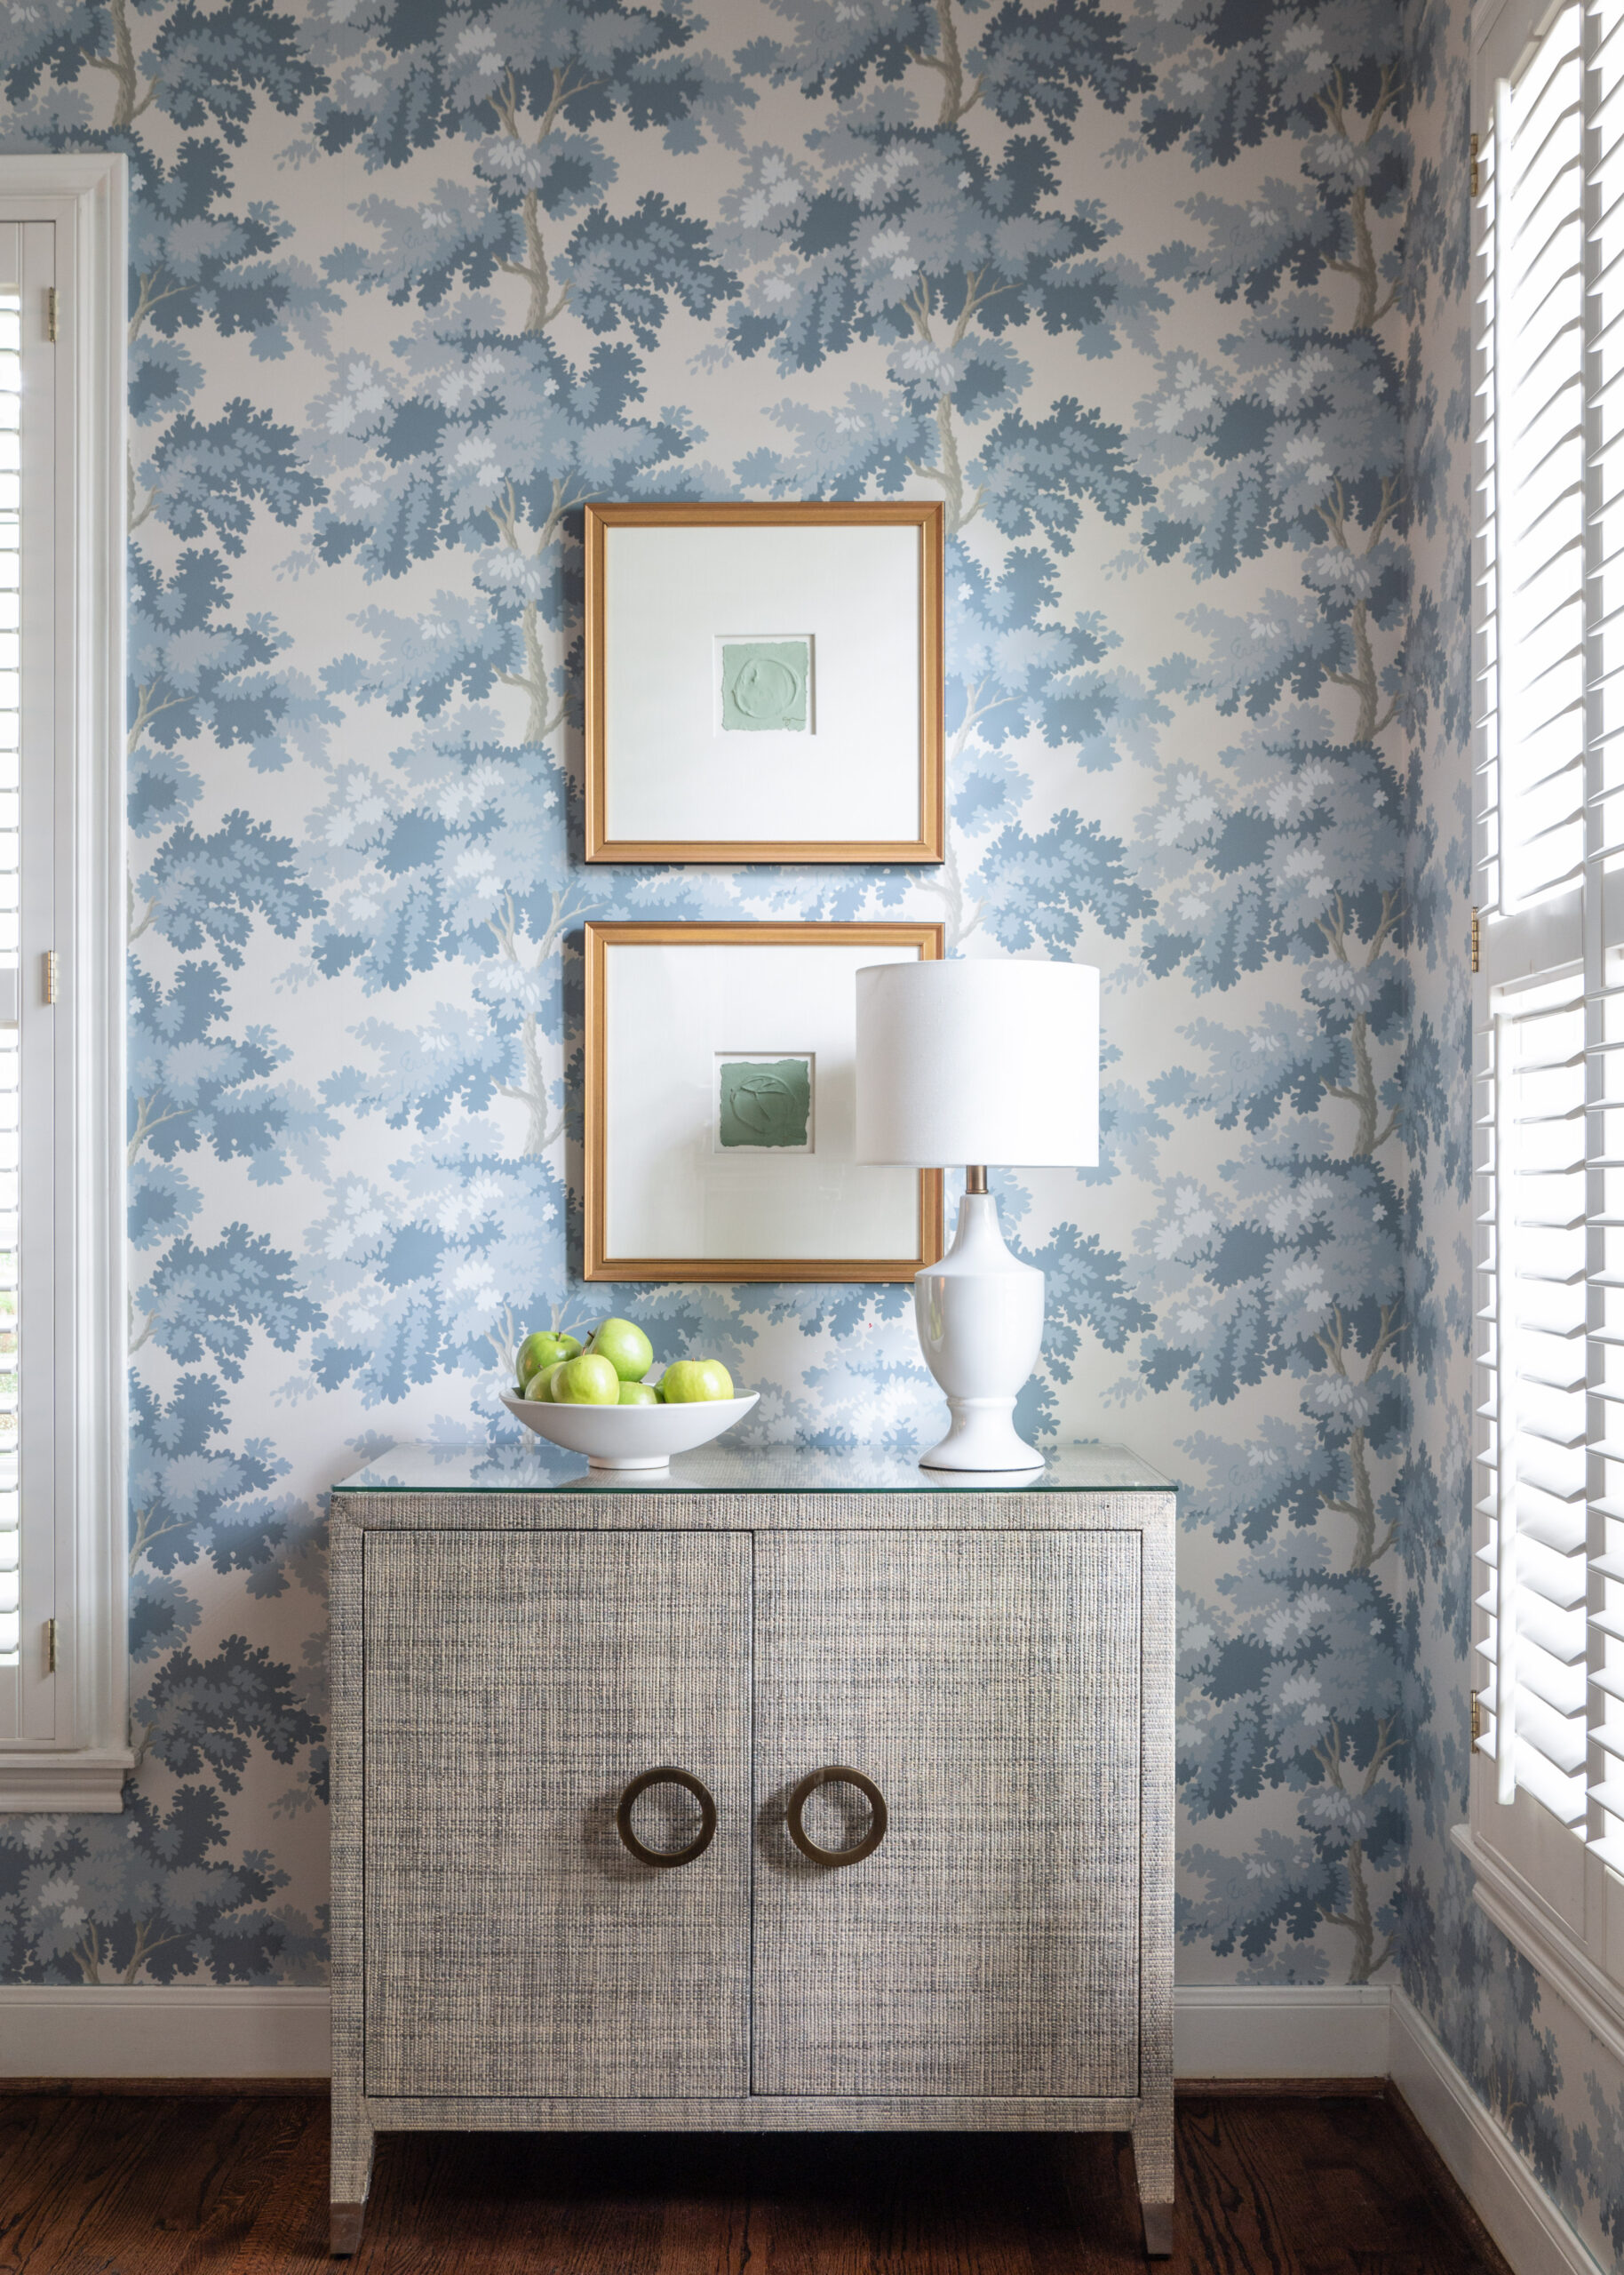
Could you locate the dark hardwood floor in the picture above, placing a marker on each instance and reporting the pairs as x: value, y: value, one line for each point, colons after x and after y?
x: 125, y: 2183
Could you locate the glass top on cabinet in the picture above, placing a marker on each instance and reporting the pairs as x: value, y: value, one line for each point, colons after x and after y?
x: 539, y: 1467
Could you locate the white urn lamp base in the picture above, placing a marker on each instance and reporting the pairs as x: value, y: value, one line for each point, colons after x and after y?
x: 980, y: 1320
x: 983, y: 1437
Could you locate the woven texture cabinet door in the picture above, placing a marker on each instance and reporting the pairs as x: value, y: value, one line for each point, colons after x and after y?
x: 990, y: 1685
x: 514, y: 1683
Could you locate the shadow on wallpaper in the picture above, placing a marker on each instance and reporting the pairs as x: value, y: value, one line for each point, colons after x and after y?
x: 1170, y: 308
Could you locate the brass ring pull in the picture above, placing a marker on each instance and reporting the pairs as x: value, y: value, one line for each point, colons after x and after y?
x: 835, y: 1772
x: 666, y: 1775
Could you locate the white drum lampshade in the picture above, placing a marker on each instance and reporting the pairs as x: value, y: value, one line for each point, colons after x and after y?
x: 979, y: 1063
x: 961, y: 1062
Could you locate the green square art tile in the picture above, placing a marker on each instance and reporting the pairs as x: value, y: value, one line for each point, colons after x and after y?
x: 764, y: 685
x: 765, y: 1103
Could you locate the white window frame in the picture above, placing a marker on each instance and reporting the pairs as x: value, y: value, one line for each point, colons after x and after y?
x: 1552, y: 1895
x: 82, y: 1764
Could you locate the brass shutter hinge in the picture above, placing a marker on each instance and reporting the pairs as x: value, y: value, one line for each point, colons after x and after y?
x: 1475, y: 170
x: 1476, y: 1720
x: 1477, y: 944
x: 51, y: 314
x: 51, y: 1646
x: 49, y: 974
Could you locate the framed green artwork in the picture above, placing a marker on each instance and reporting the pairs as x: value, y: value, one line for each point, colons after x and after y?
x: 764, y: 682
x: 721, y: 1107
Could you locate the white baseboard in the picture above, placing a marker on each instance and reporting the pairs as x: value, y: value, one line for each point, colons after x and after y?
x: 1501, y: 2188
x: 181, y: 2030
x: 202, y: 2031
x: 1222, y: 2029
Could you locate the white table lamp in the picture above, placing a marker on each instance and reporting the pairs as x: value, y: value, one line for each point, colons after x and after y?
x: 976, y: 1062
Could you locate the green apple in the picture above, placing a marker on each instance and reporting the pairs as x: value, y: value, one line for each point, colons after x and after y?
x: 686, y: 1381
x: 587, y: 1381
x: 539, y: 1350
x: 639, y: 1394
x: 540, y: 1384
x: 625, y: 1346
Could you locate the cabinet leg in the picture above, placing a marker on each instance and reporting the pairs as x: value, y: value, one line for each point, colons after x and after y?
x: 344, y: 2223
x: 353, y: 2141
x: 1153, y: 2168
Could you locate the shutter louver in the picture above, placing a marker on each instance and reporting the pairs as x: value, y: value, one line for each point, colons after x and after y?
x: 1549, y: 1084
x: 1534, y: 1352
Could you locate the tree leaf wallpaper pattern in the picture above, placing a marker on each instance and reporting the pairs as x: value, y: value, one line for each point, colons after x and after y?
x: 1168, y: 306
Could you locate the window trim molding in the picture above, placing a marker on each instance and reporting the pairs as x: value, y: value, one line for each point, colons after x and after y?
x: 1528, y: 1922
x: 86, y: 195
x: 1569, y: 1921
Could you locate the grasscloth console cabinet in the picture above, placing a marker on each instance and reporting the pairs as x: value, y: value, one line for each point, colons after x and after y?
x: 907, y: 1860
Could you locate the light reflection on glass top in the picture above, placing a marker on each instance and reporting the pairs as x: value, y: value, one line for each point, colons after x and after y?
x: 539, y: 1467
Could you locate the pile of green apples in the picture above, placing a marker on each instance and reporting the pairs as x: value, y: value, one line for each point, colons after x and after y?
x: 610, y: 1371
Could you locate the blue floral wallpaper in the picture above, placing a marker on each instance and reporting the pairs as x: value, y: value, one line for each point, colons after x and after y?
x: 1168, y: 303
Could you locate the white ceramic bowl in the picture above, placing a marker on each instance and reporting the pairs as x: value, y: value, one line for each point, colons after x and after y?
x: 630, y: 1437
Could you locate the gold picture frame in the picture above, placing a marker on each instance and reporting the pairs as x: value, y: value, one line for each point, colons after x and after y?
x: 922, y: 606
x: 684, y: 1166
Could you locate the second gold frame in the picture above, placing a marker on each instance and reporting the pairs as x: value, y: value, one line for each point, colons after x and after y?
x: 720, y: 1106
x: 696, y: 721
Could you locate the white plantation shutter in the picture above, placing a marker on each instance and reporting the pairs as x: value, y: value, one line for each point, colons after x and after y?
x: 1538, y: 440
x: 64, y: 1682
x: 11, y: 742
x: 1548, y: 1055
x: 28, y: 1083
x: 1535, y: 1354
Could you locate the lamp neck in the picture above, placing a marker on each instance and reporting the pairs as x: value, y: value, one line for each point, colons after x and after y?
x: 976, y: 1177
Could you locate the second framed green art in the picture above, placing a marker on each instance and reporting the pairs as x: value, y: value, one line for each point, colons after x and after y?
x: 721, y: 1107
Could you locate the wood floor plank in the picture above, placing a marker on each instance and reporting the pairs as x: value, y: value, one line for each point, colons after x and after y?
x: 430, y: 2207
x: 36, y: 2133
x: 1100, y: 2197
x: 1318, y: 2186
x: 39, y: 2183
x: 1369, y: 2185
x: 151, y: 2213
x: 1397, y: 2262
x: 955, y: 2209
x: 182, y: 2205
x: 181, y: 2186
x: 801, y: 2212
x: 1069, y: 2191
x: 1450, y: 2212
x: 75, y: 2217
x: 928, y: 2204
x: 705, y: 2187
x: 464, y: 2204
x: 1243, y: 2214
x: 289, y: 2236
x: 831, y: 2210
x: 1383, y: 2213
x: 609, y: 2217
x: 253, y: 2151
x: 540, y: 2183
